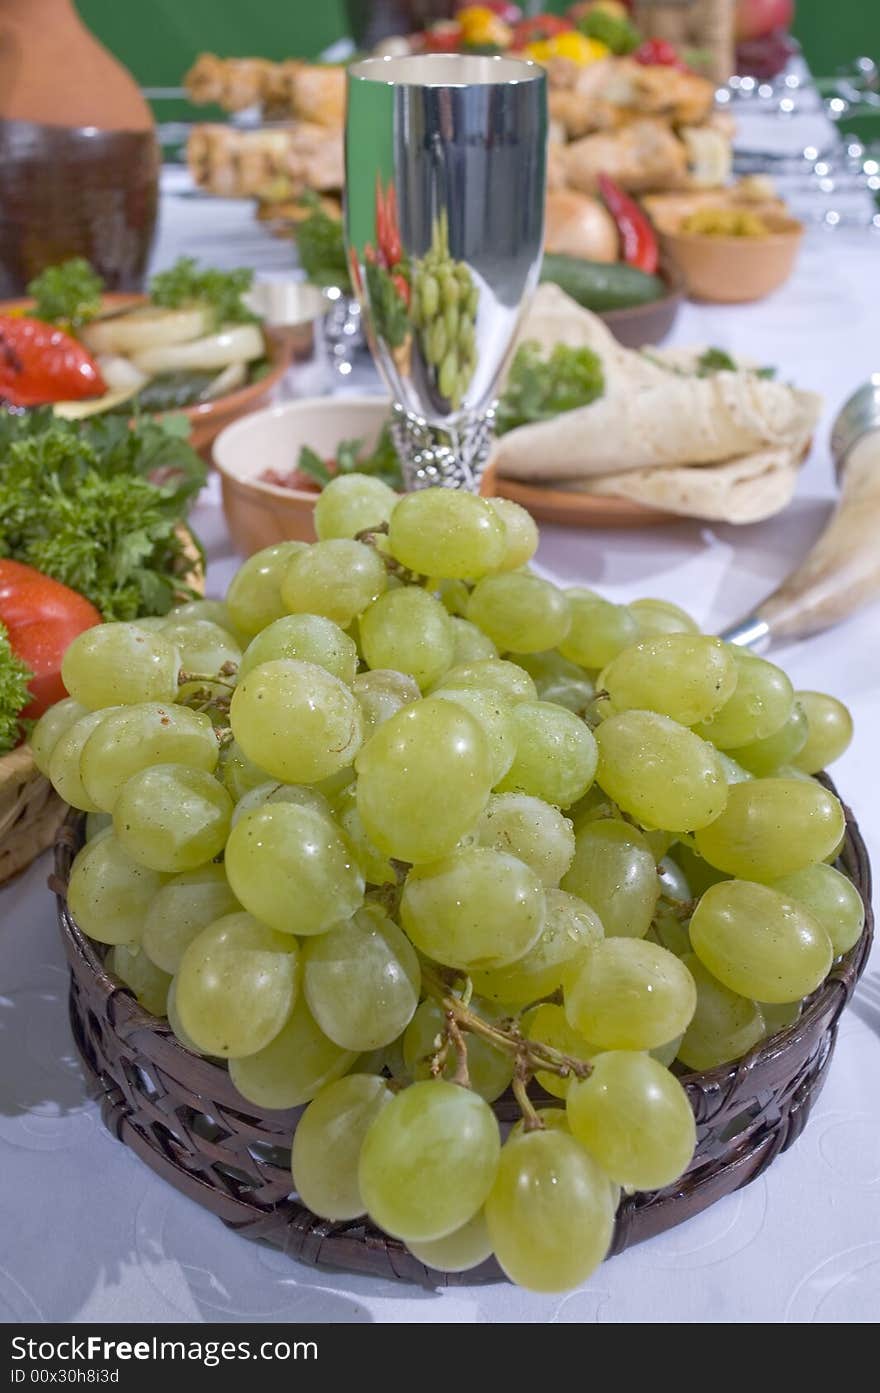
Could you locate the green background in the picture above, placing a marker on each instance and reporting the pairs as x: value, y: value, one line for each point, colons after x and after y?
x: 158, y: 39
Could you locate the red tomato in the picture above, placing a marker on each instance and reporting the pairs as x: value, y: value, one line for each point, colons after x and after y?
x: 755, y: 18
x: 42, y: 617
x: 39, y: 363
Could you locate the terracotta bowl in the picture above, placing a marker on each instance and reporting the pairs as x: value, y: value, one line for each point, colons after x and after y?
x: 260, y: 514
x: 639, y: 325
x: 730, y: 270
x: 209, y: 418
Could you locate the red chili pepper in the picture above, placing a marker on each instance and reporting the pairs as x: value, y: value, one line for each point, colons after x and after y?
x: 42, y: 617
x: 39, y: 363
x: 393, y: 245
x: 529, y: 31
x: 401, y: 285
x: 658, y: 53
x: 637, y: 237
x: 381, y: 218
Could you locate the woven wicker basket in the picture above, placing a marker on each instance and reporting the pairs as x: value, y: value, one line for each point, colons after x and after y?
x: 30, y: 812
x: 182, y: 1115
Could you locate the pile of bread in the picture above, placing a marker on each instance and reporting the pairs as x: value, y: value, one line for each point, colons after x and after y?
x: 650, y: 128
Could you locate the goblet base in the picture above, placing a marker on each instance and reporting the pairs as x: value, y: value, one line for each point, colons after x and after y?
x: 452, y: 457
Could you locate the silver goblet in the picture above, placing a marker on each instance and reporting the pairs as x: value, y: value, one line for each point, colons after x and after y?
x: 445, y: 168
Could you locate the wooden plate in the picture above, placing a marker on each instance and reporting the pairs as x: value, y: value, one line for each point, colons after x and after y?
x: 207, y: 418
x: 570, y: 509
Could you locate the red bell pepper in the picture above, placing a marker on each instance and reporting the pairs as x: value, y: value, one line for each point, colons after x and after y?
x: 659, y: 53
x: 637, y: 237
x: 530, y: 31
x: 39, y: 363
x: 443, y: 37
x: 42, y: 618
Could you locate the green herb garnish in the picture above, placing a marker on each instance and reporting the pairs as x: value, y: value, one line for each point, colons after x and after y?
x: 70, y: 292
x: 14, y: 678
x: 616, y: 32
x: 185, y: 283
x: 96, y: 505
x: 321, y: 246
x: 714, y: 360
x: 540, y: 388
x: 382, y: 462
x: 386, y: 306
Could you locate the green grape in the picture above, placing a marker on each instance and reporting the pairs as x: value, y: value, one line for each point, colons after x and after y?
x: 550, y: 1212
x: 829, y: 731
x: 734, y: 772
x: 560, y: 681
x: 337, y: 579
x: 533, y: 831
x: 109, y: 894
x: 629, y: 994
x: 148, y: 982
x: 215, y: 610
x: 453, y: 596
x: 700, y: 875
x: 555, y: 757
x: 673, y: 881
x: 670, y: 931
x: 762, y: 701
x: 409, y: 631
x: 429, y: 745
x: 185, y: 905
x: 429, y: 1160
x: 831, y: 898
x: 547, y: 1025
x: 724, y: 1026
x: 490, y: 1069
x: 520, y: 533
x: 296, y: 720
x: 297, y: 1063
x: 331, y: 788
x: 388, y: 1060
x: 174, y: 1022
x: 662, y: 617
x: 778, y: 1015
x: 634, y: 1117
x: 447, y: 533
x: 96, y: 823
x: 469, y: 644
x: 308, y: 637
x: 477, y: 908
x: 614, y: 872
x: 553, y: 1118
x: 570, y: 929
x: 236, y: 986
x: 55, y: 721
x: 172, y: 818
x: 305, y: 796
x: 685, y: 676
x: 766, y: 756
x: 352, y: 503
x: 117, y: 664
x: 459, y: 1251
x: 760, y: 943
x: 381, y: 693
x: 135, y: 737
x: 492, y: 674
x: 494, y: 715
x: 239, y: 774
x: 659, y: 771
x: 202, y: 645
x: 519, y: 612
x: 594, y: 806
x: 362, y: 980
x: 599, y: 630
x: 772, y: 827
x: 151, y: 623
x: 666, y: 1054
x: 64, y: 771
x: 254, y: 595
x: 293, y: 869
x: 327, y: 1144
x: 377, y: 868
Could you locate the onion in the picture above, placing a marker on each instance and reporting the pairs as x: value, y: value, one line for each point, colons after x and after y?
x: 120, y: 373
x: 225, y: 381
x: 147, y: 326
x: 237, y: 343
x: 578, y: 225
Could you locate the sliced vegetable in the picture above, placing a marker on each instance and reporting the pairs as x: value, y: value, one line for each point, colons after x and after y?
x: 599, y: 287
x: 69, y: 293
x: 235, y: 343
x: 120, y: 373
x: 148, y: 326
x: 637, y: 237
x: 41, y: 617
x: 229, y: 380
x: 94, y: 406
x: 40, y: 363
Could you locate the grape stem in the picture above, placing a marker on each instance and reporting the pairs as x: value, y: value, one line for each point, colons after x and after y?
x: 370, y: 536
x: 532, y: 1122
x: 453, y: 1030
x: 530, y: 1054
x: 217, y: 678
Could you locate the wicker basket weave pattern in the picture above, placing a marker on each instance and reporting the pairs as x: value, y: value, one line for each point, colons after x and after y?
x: 183, y: 1117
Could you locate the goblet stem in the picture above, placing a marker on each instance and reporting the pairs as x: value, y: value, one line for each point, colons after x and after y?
x: 451, y: 456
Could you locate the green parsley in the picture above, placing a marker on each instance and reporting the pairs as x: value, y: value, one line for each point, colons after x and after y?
x: 381, y: 463
x: 321, y: 246
x: 540, y: 388
x: 185, y: 283
x: 14, y: 678
x: 69, y: 293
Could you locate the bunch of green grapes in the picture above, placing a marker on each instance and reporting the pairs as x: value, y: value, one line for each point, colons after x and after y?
x: 444, y: 311
x: 389, y: 849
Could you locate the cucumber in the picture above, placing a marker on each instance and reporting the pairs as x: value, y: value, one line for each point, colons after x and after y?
x: 600, y: 286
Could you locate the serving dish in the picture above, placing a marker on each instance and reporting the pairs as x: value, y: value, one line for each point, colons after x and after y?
x: 735, y: 270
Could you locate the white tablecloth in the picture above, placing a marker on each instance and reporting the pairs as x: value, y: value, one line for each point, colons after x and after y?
x: 801, y: 1244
